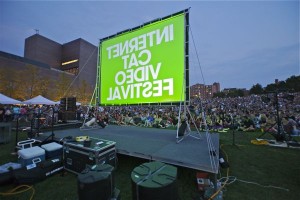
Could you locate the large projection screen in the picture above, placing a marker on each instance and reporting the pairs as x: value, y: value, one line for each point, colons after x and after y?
x: 144, y: 65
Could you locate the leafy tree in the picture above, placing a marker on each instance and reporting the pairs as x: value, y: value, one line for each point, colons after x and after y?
x: 219, y: 94
x: 270, y: 88
x: 10, y: 83
x: 62, y: 86
x: 2, y: 79
x: 44, y: 87
x: 240, y: 93
x: 293, y: 83
x: 84, y: 92
x: 279, y: 87
x: 32, y: 82
x: 256, y: 89
x: 235, y: 93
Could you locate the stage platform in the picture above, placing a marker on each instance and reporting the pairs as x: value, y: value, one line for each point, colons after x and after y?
x: 155, y: 144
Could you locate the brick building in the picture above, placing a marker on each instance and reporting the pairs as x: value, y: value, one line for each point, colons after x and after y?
x: 204, y: 91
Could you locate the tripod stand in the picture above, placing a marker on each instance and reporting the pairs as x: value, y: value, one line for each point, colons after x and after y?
x: 280, y: 135
x: 52, y: 127
x: 185, y: 126
x: 233, y: 129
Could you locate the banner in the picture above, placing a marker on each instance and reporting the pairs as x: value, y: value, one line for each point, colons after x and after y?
x: 145, y: 65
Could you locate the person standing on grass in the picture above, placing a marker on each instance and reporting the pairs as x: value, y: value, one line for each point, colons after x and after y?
x: 2, y: 113
x: 16, y: 112
x: 23, y: 113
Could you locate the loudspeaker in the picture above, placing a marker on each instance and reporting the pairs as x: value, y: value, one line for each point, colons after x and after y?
x: 71, y: 103
x: 62, y: 105
x: 68, y: 104
x: 68, y: 115
x: 182, y: 129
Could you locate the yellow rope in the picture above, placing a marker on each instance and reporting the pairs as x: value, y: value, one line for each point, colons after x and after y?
x: 15, y: 192
x: 260, y: 142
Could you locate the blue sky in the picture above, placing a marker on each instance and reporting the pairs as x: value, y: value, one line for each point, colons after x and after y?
x: 239, y: 43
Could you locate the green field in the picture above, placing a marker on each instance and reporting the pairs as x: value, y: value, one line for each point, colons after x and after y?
x: 258, y: 172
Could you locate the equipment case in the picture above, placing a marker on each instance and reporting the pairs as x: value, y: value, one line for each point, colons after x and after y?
x: 31, y: 155
x: 78, y: 156
x: 53, y: 150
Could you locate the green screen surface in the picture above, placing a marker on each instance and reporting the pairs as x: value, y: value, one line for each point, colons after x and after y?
x: 145, y: 65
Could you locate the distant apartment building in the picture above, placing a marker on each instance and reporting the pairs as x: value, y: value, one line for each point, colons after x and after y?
x: 204, y: 91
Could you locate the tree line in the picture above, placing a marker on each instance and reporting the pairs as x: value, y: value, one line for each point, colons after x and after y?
x: 291, y: 84
x: 30, y: 82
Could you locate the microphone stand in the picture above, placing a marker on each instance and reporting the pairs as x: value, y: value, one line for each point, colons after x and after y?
x: 52, y: 127
x: 233, y: 131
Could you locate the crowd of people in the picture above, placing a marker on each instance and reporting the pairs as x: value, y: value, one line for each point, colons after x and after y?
x: 27, y: 113
x: 251, y: 113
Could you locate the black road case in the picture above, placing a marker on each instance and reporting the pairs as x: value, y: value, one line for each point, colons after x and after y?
x: 78, y: 156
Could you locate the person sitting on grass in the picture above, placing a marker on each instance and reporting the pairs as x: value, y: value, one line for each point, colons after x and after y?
x: 248, y: 124
x: 129, y: 120
x: 149, y: 121
x: 292, y: 124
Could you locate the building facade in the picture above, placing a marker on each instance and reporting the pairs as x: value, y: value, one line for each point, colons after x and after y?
x: 77, y: 57
x: 204, y: 91
x: 76, y: 61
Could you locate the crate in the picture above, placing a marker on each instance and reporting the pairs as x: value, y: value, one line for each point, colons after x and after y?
x: 116, y: 194
x: 9, y: 166
x: 31, y: 155
x: 78, y: 156
x: 154, y: 180
x: 96, y: 182
x: 5, y: 132
x: 53, y: 150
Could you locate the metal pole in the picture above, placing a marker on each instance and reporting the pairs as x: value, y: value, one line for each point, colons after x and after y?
x: 277, y: 113
x: 52, y: 133
x: 17, y: 132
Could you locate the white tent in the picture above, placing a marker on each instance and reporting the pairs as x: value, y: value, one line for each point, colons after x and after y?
x: 7, y: 100
x: 39, y: 100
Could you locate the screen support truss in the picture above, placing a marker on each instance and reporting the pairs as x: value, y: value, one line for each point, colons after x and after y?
x: 96, y: 94
x: 185, y: 90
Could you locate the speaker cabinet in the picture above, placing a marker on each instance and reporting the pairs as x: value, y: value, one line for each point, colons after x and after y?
x: 68, y: 104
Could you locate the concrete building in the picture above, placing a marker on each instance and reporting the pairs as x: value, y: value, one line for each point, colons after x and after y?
x: 77, y: 57
x: 44, y: 50
x: 76, y: 60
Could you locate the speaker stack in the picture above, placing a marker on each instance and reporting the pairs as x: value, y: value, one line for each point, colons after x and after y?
x: 68, y: 108
x: 68, y: 104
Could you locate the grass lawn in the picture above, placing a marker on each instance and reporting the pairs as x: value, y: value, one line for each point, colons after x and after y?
x: 274, y: 173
